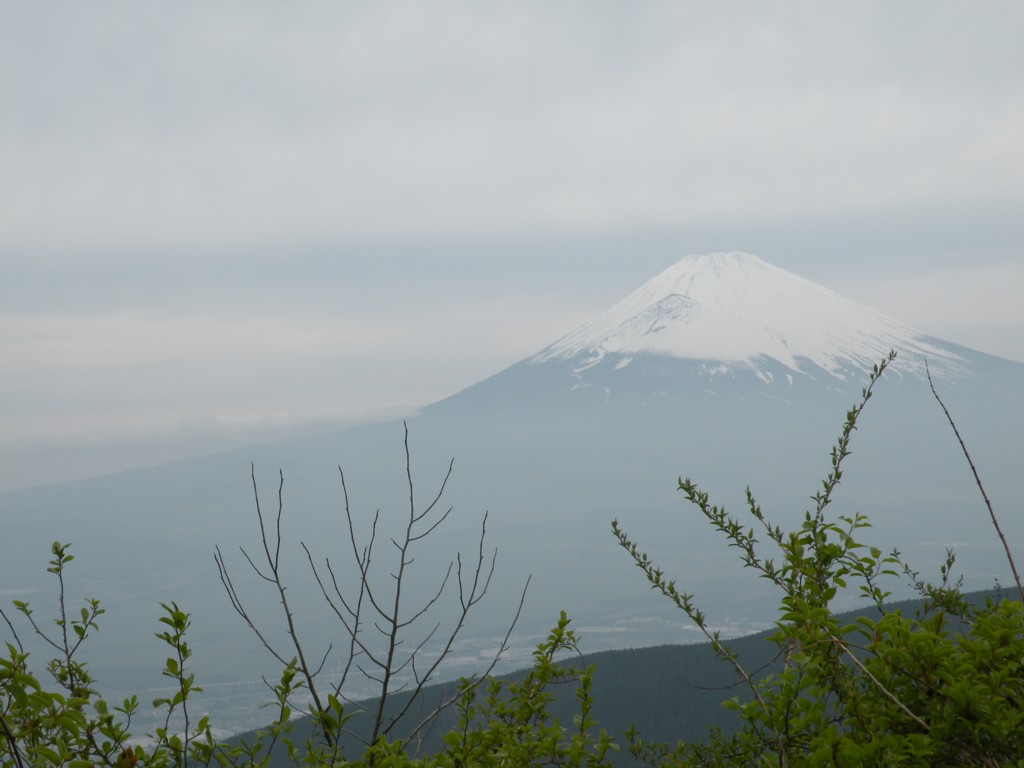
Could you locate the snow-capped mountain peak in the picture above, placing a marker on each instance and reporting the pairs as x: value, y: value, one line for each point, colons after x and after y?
x: 738, y: 309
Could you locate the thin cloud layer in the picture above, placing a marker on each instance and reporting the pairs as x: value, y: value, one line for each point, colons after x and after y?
x: 180, y: 126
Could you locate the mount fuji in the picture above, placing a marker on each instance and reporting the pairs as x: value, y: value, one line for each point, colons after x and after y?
x: 711, y: 321
x: 735, y: 310
x: 722, y: 368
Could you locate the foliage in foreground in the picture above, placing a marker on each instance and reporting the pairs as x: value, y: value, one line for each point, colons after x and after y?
x: 942, y: 688
x: 945, y: 687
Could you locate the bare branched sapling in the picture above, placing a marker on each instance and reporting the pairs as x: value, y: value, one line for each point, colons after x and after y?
x: 392, y: 645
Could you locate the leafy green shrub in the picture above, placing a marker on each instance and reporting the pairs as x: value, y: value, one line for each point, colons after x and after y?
x: 893, y: 691
x: 74, y: 725
x: 512, y: 725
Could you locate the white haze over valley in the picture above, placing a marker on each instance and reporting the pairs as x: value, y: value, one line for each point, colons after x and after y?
x: 227, y: 225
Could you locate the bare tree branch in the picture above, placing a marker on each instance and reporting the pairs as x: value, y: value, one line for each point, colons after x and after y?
x: 977, y: 479
x: 478, y: 679
x: 403, y: 658
x: 14, y: 632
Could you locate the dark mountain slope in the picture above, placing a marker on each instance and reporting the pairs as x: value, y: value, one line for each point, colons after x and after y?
x: 669, y: 693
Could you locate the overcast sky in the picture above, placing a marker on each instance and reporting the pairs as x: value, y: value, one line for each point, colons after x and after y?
x: 222, y: 223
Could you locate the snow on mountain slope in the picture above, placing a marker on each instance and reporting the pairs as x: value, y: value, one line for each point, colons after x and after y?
x: 737, y: 309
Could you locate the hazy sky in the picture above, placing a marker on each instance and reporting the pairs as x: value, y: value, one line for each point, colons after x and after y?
x: 221, y: 223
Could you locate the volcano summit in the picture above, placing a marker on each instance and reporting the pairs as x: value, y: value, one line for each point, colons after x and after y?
x: 736, y: 309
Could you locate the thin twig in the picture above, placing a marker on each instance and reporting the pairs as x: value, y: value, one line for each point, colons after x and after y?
x: 12, y: 743
x: 885, y: 691
x: 430, y: 718
x: 977, y: 479
x: 14, y: 632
